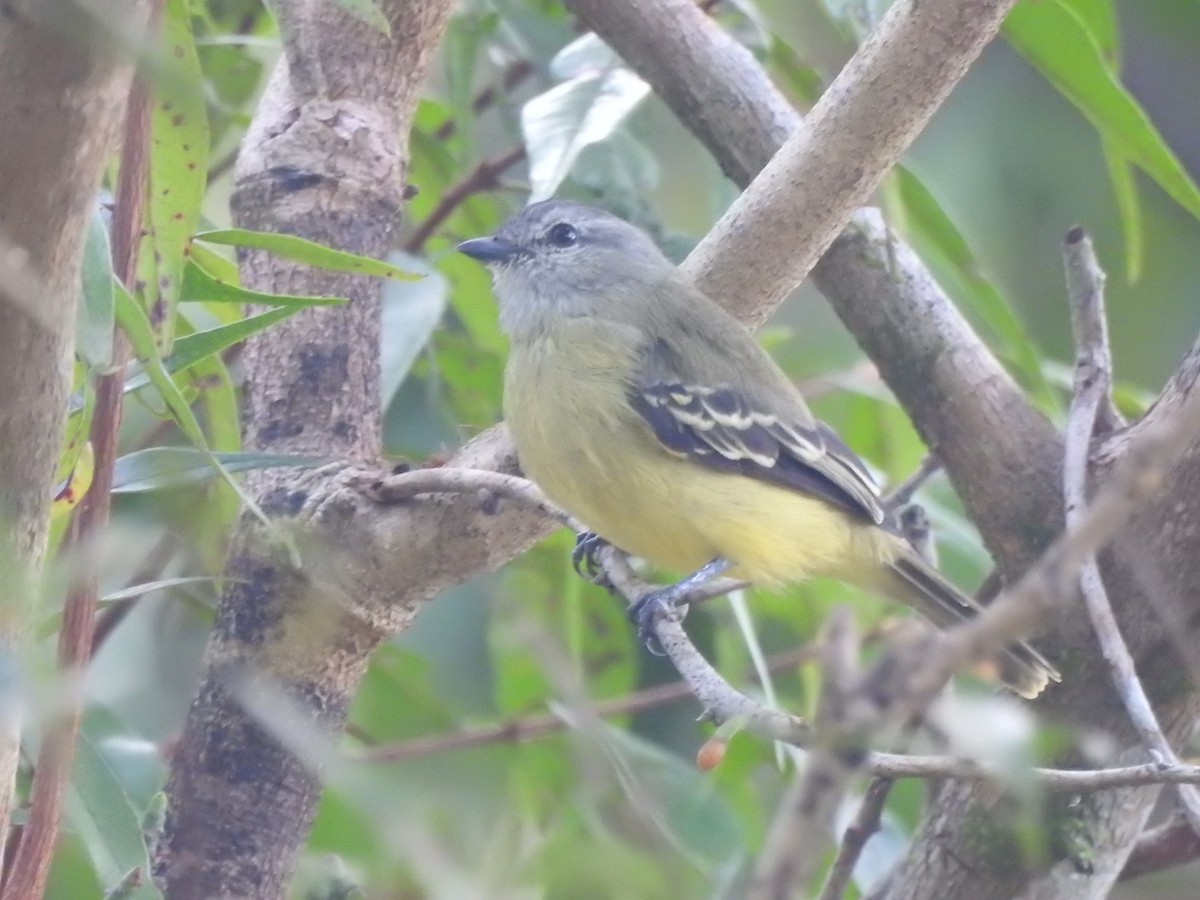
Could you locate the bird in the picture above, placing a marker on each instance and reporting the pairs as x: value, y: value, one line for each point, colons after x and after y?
x: 643, y: 408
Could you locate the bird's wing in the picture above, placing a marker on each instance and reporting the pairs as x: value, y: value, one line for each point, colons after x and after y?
x: 718, y: 426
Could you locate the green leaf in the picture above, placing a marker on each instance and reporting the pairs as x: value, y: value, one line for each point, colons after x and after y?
x: 559, y: 124
x: 1056, y: 40
x: 939, y: 241
x: 367, y: 12
x: 214, y: 264
x: 101, y: 813
x: 52, y: 623
x: 159, y: 467
x: 303, y: 250
x: 1129, y: 205
x: 177, y: 180
x: 194, y: 348
x: 134, y: 322
x: 156, y: 468
x: 94, y: 315
x: 411, y: 311
x: 201, y: 286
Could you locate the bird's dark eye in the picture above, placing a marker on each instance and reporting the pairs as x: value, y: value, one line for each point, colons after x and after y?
x: 564, y: 234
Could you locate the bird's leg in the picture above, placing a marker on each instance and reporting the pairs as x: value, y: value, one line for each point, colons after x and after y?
x: 644, y: 610
x: 583, y: 558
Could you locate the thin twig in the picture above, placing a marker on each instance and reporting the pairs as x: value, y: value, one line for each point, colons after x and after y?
x: 1093, y: 377
x: 453, y: 480
x: 529, y: 728
x: 31, y: 865
x: 151, y: 569
x: 858, y: 832
x: 1020, y: 610
x: 483, y: 177
x: 903, y: 493
x: 803, y: 826
x: 512, y: 76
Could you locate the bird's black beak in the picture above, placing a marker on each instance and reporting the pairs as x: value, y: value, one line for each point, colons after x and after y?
x: 489, y: 249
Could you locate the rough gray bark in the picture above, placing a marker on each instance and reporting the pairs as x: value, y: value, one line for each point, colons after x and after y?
x: 61, y: 104
x: 1002, y: 456
x: 241, y: 802
x: 325, y: 159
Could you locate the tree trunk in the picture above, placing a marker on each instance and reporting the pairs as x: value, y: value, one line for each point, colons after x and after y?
x: 61, y: 104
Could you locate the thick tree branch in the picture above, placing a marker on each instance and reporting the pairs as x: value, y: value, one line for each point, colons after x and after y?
x: 323, y: 159
x: 1001, y: 454
x: 63, y: 97
x: 31, y: 865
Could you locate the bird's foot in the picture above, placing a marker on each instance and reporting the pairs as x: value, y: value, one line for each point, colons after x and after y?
x: 645, y: 610
x: 583, y: 558
x: 669, y: 600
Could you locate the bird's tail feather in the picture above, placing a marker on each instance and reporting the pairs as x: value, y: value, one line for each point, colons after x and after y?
x: 912, y: 581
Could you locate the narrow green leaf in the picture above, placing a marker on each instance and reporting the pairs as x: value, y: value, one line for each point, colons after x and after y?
x: 51, y: 624
x: 306, y: 251
x: 133, y: 321
x: 1129, y: 205
x: 1056, y: 41
x: 156, y: 468
x: 136, y: 325
x: 938, y: 240
x: 192, y: 348
x: 101, y: 813
x: 215, y: 264
x: 178, y: 163
x: 199, y: 285
x: 94, y: 315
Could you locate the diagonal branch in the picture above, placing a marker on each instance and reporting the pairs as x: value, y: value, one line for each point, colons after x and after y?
x: 966, y: 407
x: 1091, y: 407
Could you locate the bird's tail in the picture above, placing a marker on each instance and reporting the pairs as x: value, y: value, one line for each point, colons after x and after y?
x: 912, y: 581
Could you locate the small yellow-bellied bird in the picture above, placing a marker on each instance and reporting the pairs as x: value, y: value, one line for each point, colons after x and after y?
x: 649, y: 413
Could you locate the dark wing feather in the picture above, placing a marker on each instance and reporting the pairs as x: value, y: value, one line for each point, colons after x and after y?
x: 717, y: 427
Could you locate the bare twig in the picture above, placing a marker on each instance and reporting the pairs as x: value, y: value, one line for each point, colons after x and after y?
x: 31, y: 865
x: 720, y: 700
x: 1085, y: 293
x: 531, y: 727
x: 512, y: 76
x: 1082, y: 781
x: 454, y: 480
x: 1093, y: 378
x: 802, y: 829
x: 1019, y: 611
x: 902, y: 493
x: 858, y: 832
x: 151, y: 569
x: 482, y: 178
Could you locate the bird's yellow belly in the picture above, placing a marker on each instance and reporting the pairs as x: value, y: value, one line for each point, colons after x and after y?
x: 679, y: 515
x: 594, y: 457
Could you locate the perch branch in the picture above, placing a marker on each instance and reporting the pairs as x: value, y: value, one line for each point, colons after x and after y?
x: 1091, y: 395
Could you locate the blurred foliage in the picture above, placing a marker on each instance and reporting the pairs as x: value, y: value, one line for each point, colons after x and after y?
x: 1046, y: 131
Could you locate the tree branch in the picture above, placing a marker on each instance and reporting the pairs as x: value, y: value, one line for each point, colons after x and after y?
x: 324, y: 159
x: 482, y: 178
x: 1001, y: 454
x: 1091, y: 396
x: 858, y: 832
x: 64, y: 99
x: 31, y: 865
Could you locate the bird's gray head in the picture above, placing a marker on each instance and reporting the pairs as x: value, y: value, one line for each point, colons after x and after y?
x: 558, y: 258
